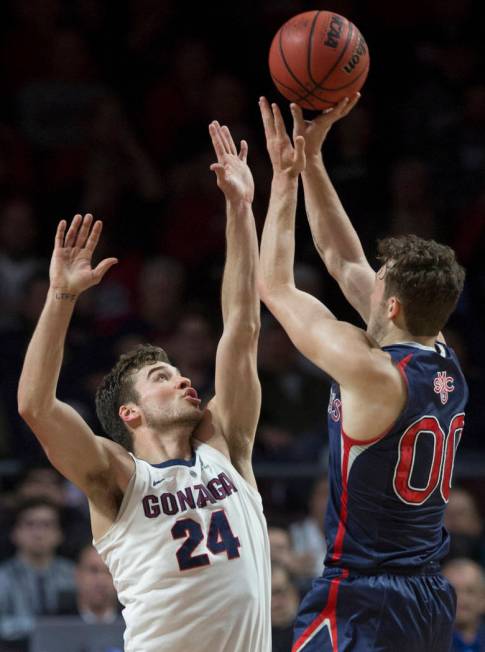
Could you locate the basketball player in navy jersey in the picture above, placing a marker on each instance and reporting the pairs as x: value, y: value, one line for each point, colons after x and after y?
x: 174, y: 506
x: 395, y: 415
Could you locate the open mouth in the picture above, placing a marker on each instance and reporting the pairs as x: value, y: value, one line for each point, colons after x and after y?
x: 192, y: 396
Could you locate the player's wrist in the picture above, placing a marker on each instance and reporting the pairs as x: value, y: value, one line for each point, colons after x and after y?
x: 314, y: 160
x: 63, y: 294
x: 284, y: 180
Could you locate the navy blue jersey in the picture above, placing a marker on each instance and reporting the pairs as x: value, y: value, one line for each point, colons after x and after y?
x: 388, y: 495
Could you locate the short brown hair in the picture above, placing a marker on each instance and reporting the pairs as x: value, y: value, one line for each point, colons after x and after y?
x: 117, y: 388
x: 426, y: 278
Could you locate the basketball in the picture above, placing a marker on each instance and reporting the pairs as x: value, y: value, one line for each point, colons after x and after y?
x: 317, y: 58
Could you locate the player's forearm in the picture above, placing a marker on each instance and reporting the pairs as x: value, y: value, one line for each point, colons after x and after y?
x: 240, y: 299
x: 43, y: 360
x: 278, y: 240
x: 333, y: 234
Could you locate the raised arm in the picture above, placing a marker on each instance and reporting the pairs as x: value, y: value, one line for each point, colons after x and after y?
x: 67, y: 440
x: 345, y: 352
x: 237, y: 400
x: 333, y: 234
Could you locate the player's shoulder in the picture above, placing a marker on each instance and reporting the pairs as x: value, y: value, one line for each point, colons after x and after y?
x: 120, y: 465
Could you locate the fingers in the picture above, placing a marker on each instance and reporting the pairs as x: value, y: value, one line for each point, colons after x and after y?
x: 243, y: 151
x: 298, y: 121
x: 222, y: 140
x: 93, y: 238
x: 217, y: 142
x: 100, y: 270
x: 279, y: 123
x: 60, y: 233
x: 340, y: 110
x: 84, y: 230
x: 268, y: 118
x: 77, y: 233
x: 351, y: 103
x: 228, y: 141
x: 72, y: 232
x: 299, y: 159
x: 218, y: 169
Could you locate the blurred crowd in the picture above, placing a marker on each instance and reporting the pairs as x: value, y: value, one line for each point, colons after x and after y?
x: 105, y: 108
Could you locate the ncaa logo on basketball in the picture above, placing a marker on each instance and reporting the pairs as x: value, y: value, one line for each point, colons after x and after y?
x: 443, y: 385
x: 334, y: 32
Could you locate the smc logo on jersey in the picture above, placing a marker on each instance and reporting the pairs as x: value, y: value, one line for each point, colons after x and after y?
x: 443, y: 385
x: 334, y: 406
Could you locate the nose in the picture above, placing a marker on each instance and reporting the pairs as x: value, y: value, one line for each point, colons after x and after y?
x: 183, y: 383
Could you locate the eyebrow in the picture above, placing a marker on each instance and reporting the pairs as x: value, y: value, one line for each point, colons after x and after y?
x: 162, y: 368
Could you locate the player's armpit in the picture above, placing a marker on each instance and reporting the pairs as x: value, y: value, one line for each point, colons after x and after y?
x: 76, y: 452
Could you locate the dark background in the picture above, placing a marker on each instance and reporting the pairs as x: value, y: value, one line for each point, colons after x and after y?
x: 105, y: 107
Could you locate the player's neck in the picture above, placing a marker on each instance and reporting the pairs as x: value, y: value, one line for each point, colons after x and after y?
x: 398, y: 336
x: 155, y: 448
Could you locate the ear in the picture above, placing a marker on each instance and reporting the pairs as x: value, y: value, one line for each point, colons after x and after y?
x: 393, y: 308
x: 128, y: 413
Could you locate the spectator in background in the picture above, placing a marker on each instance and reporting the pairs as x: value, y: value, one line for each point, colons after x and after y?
x: 292, y: 396
x: 285, y: 599
x: 468, y: 580
x: 193, y: 349
x: 46, y: 482
x: 31, y: 583
x: 282, y: 552
x: 18, y: 261
x: 465, y: 525
x: 307, y: 535
x: 95, y: 601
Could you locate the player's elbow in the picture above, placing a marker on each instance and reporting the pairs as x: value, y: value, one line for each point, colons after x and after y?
x: 30, y: 407
x: 267, y: 288
x: 272, y: 291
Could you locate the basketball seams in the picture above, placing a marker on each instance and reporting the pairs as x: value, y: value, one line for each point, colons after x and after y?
x: 302, y: 98
x: 292, y: 74
x: 310, y: 47
x: 307, y: 93
x: 292, y: 52
x: 344, y: 49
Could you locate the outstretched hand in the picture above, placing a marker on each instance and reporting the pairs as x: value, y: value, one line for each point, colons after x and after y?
x: 286, y: 157
x: 70, y: 269
x: 234, y: 177
x: 315, y: 131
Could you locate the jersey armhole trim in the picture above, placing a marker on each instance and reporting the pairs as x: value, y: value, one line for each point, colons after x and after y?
x: 124, y: 504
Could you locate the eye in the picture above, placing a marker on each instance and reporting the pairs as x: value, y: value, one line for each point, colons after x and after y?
x: 161, y: 376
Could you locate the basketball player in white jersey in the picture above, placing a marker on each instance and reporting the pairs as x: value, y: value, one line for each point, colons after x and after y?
x: 175, y: 511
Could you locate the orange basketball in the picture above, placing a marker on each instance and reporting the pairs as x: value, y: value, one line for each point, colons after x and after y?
x: 317, y: 58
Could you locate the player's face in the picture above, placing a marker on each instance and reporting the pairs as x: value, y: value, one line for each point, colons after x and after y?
x: 470, y: 593
x: 166, y: 397
x: 378, y: 322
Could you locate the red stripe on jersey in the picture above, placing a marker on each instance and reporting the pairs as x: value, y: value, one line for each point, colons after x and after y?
x: 339, y: 539
x: 329, y: 612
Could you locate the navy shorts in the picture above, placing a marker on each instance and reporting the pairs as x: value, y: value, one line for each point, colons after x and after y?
x: 349, y: 612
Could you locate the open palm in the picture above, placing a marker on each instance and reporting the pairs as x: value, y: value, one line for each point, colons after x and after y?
x: 234, y: 177
x: 71, y: 269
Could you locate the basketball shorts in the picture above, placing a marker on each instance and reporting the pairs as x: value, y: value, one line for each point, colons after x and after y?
x: 350, y: 612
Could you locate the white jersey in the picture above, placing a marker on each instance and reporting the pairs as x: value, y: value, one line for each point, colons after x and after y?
x: 189, y: 556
